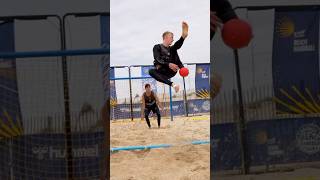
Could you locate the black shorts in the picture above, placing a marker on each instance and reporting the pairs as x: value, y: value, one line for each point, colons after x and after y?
x: 167, y: 72
x: 153, y: 108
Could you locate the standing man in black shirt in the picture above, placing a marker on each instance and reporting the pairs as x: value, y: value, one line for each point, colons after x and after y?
x: 166, y: 58
x: 150, y: 102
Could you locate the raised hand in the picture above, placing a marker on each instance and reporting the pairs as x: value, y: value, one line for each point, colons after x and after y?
x: 185, y: 29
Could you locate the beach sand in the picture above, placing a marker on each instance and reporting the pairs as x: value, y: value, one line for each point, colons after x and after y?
x: 183, y: 161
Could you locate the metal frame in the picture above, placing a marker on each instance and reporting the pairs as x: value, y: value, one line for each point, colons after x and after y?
x: 22, y: 17
x: 66, y: 86
x: 130, y: 78
x: 63, y: 53
x: 245, y: 157
x: 35, y: 54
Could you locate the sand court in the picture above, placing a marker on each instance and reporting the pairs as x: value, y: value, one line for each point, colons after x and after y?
x: 182, y: 160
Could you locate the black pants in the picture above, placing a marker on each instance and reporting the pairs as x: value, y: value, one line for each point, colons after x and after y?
x: 162, y: 74
x: 154, y: 109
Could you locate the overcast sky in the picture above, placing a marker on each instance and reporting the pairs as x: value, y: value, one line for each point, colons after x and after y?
x: 137, y: 25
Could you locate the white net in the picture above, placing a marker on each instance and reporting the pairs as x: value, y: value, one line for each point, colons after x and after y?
x: 33, y: 120
x: 127, y: 87
x: 128, y: 107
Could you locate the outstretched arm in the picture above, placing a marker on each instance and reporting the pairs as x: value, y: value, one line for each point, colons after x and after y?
x: 185, y: 31
x: 179, y: 63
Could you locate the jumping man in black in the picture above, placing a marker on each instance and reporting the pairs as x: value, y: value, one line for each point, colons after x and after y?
x: 150, y: 103
x: 166, y: 58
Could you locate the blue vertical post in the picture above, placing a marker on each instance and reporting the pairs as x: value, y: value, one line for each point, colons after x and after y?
x: 171, y: 111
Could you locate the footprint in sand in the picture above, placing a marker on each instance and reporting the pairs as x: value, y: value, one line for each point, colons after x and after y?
x: 184, y: 157
x: 198, y: 168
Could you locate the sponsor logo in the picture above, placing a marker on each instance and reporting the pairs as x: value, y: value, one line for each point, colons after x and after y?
x: 50, y: 152
x: 308, y: 139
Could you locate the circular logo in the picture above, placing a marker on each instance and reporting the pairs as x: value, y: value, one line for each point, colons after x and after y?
x: 308, y: 138
x: 285, y: 27
x: 206, y: 105
x: 199, y: 70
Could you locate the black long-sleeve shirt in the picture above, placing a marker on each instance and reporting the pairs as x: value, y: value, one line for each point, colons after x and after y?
x: 165, y: 55
x: 223, y: 10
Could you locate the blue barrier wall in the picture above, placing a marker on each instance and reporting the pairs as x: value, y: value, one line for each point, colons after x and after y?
x: 278, y: 141
x: 284, y: 141
x: 43, y: 156
x: 225, y: 147
x: 122, y: 111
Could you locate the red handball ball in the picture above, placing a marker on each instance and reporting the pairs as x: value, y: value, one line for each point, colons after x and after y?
x: 236, y: 33
x: 184, y: 72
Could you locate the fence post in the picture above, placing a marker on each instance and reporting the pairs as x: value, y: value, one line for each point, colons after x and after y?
x: 185, y: 97
x: 66, y: 95
x: 235, y: 105
x: 130, y: 89
x: 245, y: 158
